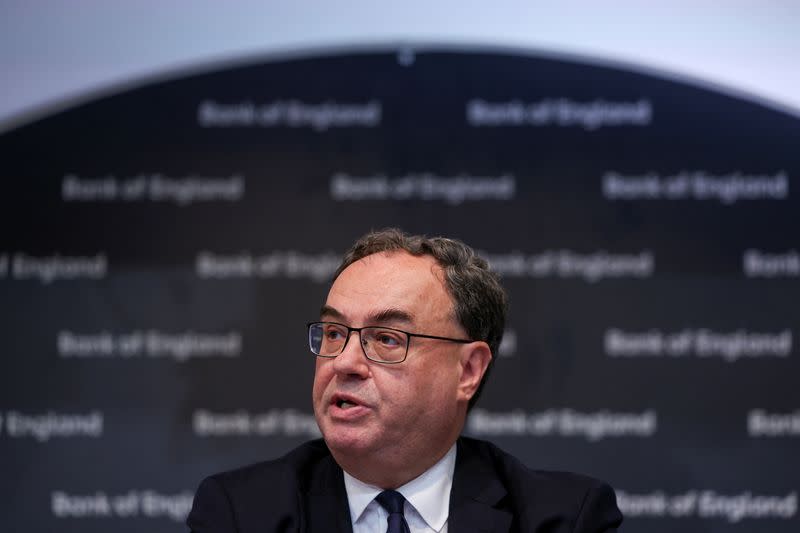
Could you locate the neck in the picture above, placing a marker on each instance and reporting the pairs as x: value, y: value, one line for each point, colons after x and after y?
x: 390, y: 469
x: 385, y: 474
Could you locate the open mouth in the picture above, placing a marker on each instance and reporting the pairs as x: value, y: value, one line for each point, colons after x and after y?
x: 342, y: 403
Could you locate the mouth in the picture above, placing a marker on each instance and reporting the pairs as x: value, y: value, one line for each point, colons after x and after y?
x: 344, y: 402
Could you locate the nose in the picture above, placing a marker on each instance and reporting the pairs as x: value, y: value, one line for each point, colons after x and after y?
x: 352, y: 361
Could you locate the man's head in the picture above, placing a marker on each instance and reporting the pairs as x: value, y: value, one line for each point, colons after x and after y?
x: 387, y: 423
x: 479, y: 301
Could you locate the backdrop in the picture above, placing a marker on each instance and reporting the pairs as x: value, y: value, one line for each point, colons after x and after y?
x: 164, y: 246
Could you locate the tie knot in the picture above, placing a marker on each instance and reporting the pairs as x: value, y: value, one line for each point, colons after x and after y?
x: 392, y: 501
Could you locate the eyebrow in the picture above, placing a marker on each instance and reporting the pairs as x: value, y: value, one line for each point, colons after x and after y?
x: 328, y: 311
x: 391, y: 314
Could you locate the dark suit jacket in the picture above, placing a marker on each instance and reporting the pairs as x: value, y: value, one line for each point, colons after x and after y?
x: 492, y: 492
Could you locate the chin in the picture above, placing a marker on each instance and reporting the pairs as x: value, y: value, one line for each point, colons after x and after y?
x: 347, y: 441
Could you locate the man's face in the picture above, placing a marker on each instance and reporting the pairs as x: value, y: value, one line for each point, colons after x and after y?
x: 393, y: 413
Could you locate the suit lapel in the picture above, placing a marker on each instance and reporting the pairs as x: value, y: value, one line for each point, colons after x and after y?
x: 326, y: 500
x: 476, y: 496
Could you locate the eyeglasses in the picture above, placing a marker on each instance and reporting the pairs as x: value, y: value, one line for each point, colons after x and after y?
x: 380, y: 344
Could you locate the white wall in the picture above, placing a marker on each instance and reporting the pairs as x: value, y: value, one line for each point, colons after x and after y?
x: 58, y: 51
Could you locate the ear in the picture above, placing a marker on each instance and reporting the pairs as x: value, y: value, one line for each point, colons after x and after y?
x: 475, y: 359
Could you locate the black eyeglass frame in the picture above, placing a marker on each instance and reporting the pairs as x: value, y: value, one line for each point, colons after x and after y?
x: 408, y: 334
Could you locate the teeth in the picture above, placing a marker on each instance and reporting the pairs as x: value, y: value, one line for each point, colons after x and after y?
x: 344, y: 404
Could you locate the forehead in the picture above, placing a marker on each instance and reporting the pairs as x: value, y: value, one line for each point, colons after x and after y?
x: 395, y: 281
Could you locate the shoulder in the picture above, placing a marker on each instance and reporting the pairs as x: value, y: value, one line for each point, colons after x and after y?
x: 292, y: 471
x: 298, y: 465
x: 548, y: 495
x: 512, y: 469
x: 240, y: 496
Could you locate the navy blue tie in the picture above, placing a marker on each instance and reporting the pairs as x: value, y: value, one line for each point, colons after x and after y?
x: 393, y: 501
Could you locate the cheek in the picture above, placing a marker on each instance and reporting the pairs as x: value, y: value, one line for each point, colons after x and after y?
x: 322, y: 376
x: 435, y: 385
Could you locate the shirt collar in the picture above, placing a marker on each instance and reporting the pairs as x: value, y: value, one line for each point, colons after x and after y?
x: 429, y: 493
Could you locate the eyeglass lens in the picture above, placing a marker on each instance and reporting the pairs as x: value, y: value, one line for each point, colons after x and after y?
x: 379, y: 344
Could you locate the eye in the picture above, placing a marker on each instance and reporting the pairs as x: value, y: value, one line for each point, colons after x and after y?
x: 388, y: 339
x: 334, y: 333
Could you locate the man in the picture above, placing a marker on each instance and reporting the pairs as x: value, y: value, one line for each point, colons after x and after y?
x: 404, y: 342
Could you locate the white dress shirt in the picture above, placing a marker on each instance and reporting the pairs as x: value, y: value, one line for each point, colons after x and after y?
x: 427, y: 500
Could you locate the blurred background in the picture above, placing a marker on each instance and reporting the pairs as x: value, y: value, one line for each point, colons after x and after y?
x: 181, y: 178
